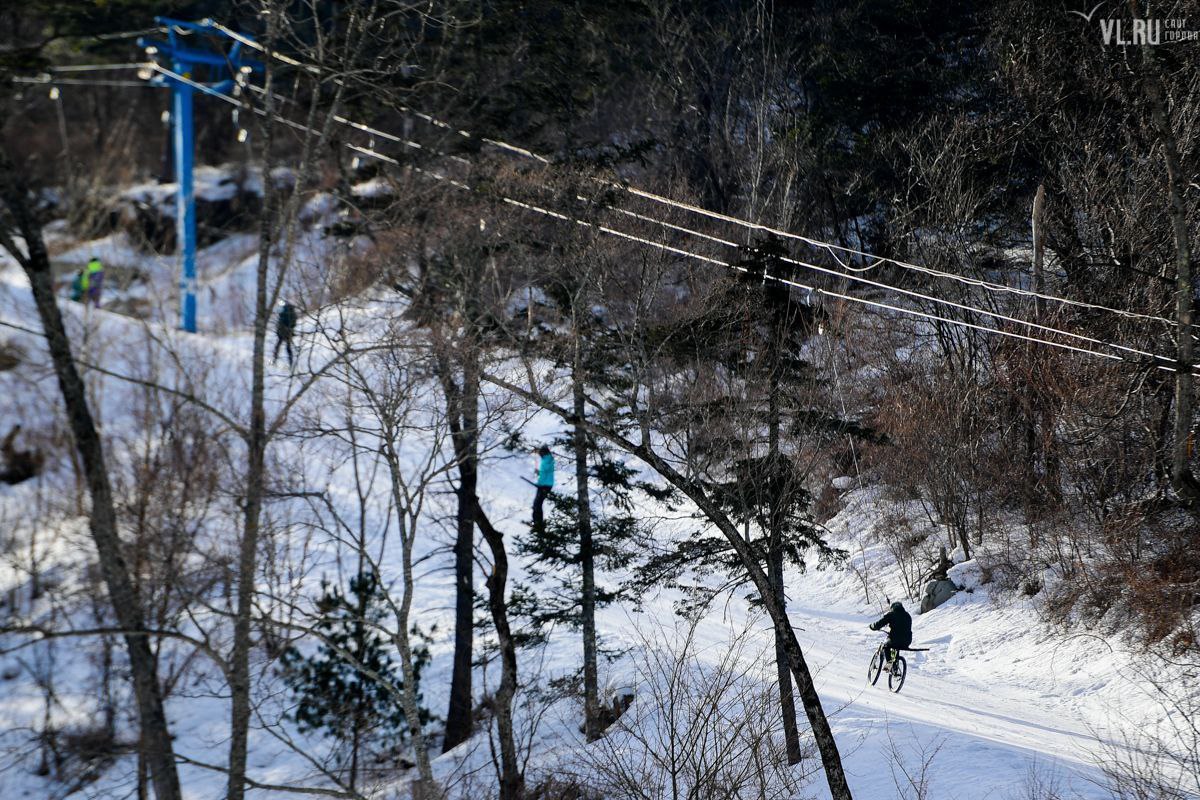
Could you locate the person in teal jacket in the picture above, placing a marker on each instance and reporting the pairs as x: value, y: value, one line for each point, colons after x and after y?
x: 544, y: 483
x: 79, y: 286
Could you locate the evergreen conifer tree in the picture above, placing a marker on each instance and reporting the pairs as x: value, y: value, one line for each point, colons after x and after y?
x: 349, y: 687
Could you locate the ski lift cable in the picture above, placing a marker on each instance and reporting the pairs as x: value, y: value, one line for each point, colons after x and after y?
x: 830, y: 293
x: 366, y: 128
x: 679, y: 251
x: 108, y: 37
x: 833, y: 249
x: 96, y: 67
x: 49, y: 81
x: 246, y: 40
x: 878, y: 284
x: 689, y: 254
x: 853, y: 277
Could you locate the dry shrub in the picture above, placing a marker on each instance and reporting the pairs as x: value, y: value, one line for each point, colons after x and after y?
x: 555, y: 788
x: 1160, y: 758
x: 1164, y: 595
x: 909, y: 546
x: 943, y: 463
x: 1139, y: 574
x: 828, y: 504
x: 11, y: 355
x: 78, y: 756
x: 705, y: 723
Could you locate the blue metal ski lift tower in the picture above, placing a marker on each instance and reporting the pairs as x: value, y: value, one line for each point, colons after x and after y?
x: 186, y: 49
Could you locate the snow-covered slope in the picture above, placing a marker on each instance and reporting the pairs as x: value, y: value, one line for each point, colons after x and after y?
x: 997, y: 700
x: 998, y: 704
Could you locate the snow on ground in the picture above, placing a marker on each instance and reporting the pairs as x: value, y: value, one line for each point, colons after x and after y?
x: 998, y: 697
x: 996, y: 700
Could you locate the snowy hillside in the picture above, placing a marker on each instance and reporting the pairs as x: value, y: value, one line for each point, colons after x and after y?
x: 999, y: 705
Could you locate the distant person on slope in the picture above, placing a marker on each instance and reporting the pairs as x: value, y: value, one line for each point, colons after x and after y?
x: 899, y: 625
x: 544, y: 483
x: 285, y: 328
x: 93, y: 280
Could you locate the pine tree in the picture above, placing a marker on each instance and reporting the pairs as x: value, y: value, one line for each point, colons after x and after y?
x: 595, y: 528
x: 553, y: 596
x: 349, y: 687
x: 755, y: 328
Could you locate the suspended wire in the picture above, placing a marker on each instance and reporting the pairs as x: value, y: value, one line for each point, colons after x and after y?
x: 246, y: 40
x: 365, y: 128
x: 96, y: 67
x: 877, y: 284
x: 383, y: 134
x: 832, y: 249
x: 49, y: 81
x: 249, y: 42
x: 726, y: 242
x: 370, y: 152
x: 49, y: 76
x: 107, y: 37
x: 838, y: 295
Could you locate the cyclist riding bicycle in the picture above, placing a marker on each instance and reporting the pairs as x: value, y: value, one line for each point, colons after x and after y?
x: 899, y: 625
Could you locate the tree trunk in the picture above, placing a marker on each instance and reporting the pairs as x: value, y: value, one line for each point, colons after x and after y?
x: 831, y: 759
x: 1182, y: 480
x: 512, y: 782
x: 1039, y: 249
x: 425, y: 788
x: 360, y: 649
x: 122, y: 592
x: 256, y: 446
x: 587, y: 557
x: 787, y: 703
x: 1042, y: 409
x: 463, y: 408
x: 1031, y: 355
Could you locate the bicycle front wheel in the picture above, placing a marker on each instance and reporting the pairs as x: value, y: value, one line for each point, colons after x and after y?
x: 897, y: 674
x: 875, y: 667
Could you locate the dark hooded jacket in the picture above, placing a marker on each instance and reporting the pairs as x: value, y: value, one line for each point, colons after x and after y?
x: 900, y: 633
x: 285, y: 323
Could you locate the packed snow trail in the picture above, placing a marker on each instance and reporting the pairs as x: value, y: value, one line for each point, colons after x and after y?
x: 1000, y: 701
x: 988, y: 735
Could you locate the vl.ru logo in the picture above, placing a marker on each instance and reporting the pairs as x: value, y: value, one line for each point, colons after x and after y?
x: 1140, y: 32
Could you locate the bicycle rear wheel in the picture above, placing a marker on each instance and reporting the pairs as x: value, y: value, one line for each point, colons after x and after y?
x: 875, y: 667
x: 897, y: 674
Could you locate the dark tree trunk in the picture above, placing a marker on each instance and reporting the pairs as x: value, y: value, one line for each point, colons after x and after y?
x: 1182, y: 480
x: 463, y: 409
x: 591, y: 681
x: 787, y: 703
x: 512, y: 781
x: 831, y: 759
x: 127, y: 606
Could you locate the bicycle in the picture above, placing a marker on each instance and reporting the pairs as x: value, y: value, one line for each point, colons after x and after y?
x: 897, y: 672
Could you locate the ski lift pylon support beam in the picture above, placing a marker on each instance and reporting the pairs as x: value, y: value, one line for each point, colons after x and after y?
x: 223, y: 65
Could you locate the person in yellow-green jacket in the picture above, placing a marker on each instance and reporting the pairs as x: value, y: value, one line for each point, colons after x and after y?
x: 93, y: 280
